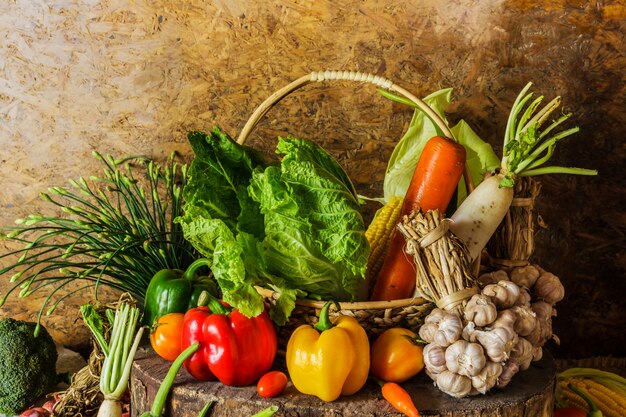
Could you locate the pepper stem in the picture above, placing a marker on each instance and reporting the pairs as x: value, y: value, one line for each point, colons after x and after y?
x: 190, y: 273
x: 324, y: 322
x: 206, y: 299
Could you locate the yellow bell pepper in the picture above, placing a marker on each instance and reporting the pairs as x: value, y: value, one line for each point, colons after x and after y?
x: 330, y: 359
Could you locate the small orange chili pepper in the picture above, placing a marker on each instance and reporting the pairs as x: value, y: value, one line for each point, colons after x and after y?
x: 398, y: 398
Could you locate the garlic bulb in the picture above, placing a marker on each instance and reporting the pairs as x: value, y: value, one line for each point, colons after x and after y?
x: 541, y: 333
x: 465, y: 358
x: 435, y: 316
x: 524, y: 298
x: 543, y: 310
x: 492, y: 277
x: 525, y: 276
x: 487, y: 377
x: 509, y: 369
x: 480, y: 310
x: 454, y: 384
x: 537, y: 353
x: 549, y: 288
x: 526, y: 320
x: 434, y: 358
x: 522, y: 353
x: 450, y: 328
x: 497, y: 342
x: 503, y: 294
x: 506, y: 318
x: 427, y: 332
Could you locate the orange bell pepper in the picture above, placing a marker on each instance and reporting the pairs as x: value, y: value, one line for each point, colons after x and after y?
x: 396, y: 355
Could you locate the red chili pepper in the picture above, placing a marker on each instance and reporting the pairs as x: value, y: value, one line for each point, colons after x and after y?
x: 234, y: 348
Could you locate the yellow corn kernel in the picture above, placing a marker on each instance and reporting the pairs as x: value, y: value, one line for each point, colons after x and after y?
x: 608, y: 401
x: 611, y: 403
x: 379, y: 235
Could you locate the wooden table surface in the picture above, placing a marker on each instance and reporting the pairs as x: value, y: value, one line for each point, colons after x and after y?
x: 530, y: 394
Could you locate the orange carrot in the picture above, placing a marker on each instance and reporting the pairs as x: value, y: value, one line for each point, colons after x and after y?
x: 399, y: 399
x: 434, y: 181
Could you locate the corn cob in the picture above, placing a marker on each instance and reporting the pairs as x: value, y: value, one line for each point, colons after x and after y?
x: 379, y: 234
x: 611, y: 400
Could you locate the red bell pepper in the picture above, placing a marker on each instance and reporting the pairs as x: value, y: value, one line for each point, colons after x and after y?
x: 234, y: 348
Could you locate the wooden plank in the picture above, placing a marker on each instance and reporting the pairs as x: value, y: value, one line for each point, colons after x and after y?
x: 530, y: 394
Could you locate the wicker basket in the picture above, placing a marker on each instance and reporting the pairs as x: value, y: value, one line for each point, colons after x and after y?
x: 374, y: 316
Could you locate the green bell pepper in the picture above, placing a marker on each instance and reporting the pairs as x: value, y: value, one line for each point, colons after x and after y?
x: 176, y: 291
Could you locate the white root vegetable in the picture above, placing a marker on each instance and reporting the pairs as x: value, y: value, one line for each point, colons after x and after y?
x: 549, y: 288
x: 480, y: 214
x: 522, y: 354
x: 509, y: 369
x: 504, y: 294
x: 493, y: 277
x: 526, y: 320
x: 497, y: 343
x: 525, y: 276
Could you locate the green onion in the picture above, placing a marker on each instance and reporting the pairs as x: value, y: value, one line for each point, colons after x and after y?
x: 121, y: 348
x: 118, y: 230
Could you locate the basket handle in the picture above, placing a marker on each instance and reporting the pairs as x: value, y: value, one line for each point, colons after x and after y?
x: 320, y: 76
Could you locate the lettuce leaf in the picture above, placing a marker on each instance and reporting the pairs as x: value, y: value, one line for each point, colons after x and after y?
x: 295, y: 228
x: 314, y: 233
x: 220, y: 170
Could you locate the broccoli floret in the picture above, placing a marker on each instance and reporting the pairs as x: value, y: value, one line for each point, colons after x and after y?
x: 27, y: 364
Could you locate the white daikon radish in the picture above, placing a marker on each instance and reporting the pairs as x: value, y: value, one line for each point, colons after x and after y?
x: 527, y: 147
x: 478, y: 217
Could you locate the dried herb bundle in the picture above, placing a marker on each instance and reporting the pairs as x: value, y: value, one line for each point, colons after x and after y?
x: 442, y: 262
x: 513, y: 243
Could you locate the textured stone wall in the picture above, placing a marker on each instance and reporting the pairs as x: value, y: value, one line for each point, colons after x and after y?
x: 132, y: 77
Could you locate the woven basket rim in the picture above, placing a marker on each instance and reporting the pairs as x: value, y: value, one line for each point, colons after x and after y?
x: 357, y: 305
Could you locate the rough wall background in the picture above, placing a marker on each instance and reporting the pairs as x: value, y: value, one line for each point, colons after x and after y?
x: 132, y: 77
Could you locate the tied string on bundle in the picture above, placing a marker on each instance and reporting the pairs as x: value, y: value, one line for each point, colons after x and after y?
x: 441, y: 260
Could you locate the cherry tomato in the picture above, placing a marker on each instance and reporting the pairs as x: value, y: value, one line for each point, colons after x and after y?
x: 166, y: 336
x: 272, y: 384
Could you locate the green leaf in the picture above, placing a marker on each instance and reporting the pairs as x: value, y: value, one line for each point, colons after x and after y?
x: 315, y: 236
x: 215, y: 241
x: 480, y: 156
x: 221, y: 167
